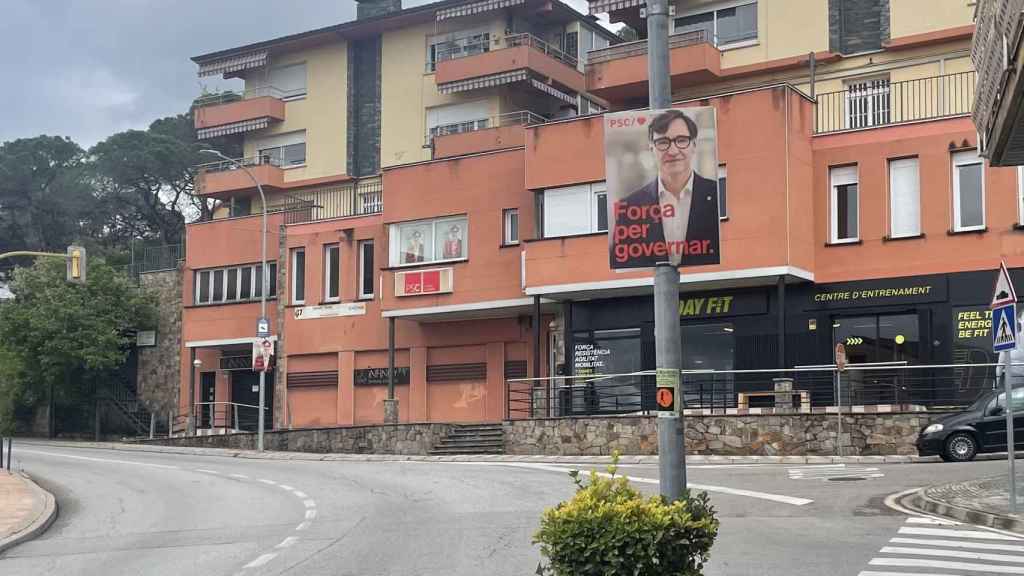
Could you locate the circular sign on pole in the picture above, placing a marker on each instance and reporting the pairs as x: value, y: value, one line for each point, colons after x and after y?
x: 666, y: 398
x: 841, y: 356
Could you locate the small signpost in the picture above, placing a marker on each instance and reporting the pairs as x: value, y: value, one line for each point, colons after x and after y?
x: 1004, y: 339
x: 840, y: 360
x: 262, y: 327
x: 667, y: 381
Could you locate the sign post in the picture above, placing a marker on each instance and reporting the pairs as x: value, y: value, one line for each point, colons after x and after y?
x: 1004, y: 339
x: 840, y: 366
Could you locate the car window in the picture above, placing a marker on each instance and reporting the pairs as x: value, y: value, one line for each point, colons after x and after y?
x: 1018, y: 399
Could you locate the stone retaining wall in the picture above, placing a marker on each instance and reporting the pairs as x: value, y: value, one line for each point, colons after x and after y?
x: 383, y: 439
x: 758, y: 435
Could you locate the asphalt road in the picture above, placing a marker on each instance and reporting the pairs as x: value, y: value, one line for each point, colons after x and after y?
x: 135, y: 513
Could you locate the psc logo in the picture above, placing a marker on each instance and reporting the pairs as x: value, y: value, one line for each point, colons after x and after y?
x: 627, y: 122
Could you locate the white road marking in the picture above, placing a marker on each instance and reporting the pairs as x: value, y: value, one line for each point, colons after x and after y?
x: 108, y: 460
x: 303, y: 526
x: 952, y: 554
x: 270, y: 482
x: 958, y: 544
x: 242, y: 476
x: 310, y: 514
x: 869, y: 573
x: 287, y: 542
x: 261, y: 560
x: 975, y: 534
x: 207, y: 471
x: 285, y: 487
x: 309, y: 503
x: 300, y: 494
x: 921, y: 563
x: 829, y: 471
x: 934, y: 521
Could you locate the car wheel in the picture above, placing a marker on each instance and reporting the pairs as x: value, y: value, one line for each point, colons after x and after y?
x: 960, y: 447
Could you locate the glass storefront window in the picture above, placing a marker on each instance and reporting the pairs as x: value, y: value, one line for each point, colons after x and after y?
x: 603, y: 352
x: 709, y: 347
x: 877, y: 339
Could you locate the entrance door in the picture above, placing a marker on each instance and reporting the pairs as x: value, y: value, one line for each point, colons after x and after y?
x: 207, y: 395
x: 245, y: 390
x: 873, y: 339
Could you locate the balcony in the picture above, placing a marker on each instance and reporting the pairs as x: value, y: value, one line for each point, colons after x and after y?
x: 521, y: 58
x: 619, y: 72
x: 361, y: 197
x: 233, y: 113
x: 877, y: 103
x: 482, y: 135
x: 224, y: 178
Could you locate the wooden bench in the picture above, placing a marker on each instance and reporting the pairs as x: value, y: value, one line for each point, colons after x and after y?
x: 743, y: 398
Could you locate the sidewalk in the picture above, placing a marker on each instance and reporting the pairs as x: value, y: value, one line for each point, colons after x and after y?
x: 26, y: 510
x: 623, y: 460
x: 984, y: 502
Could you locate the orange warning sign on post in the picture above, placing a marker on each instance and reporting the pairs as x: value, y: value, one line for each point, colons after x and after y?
x: 666, y: 398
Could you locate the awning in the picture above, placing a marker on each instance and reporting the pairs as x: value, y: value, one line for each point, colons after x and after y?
x: 233, y: 128
x: 482, y: 82
x: 475, y: 8
x: 551, y: 90
x: 234, y: 63
x: 603, y: 6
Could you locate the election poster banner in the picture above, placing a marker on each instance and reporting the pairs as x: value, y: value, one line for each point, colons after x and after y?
x: 661, y: 169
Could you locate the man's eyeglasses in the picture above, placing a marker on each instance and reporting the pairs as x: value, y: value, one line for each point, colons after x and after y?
x: 682, y: 142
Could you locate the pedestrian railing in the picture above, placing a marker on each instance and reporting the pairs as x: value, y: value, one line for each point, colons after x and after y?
x: 229, y: 417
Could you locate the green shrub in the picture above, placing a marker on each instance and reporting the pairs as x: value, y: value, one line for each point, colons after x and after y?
x: 609, y: 529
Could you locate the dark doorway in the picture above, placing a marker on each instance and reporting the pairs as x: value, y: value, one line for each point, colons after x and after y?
x: 879, y: 338
x: 207, y: 395
x: 245, y: 394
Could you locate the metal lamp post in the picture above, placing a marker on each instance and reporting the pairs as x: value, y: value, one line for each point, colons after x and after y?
x: 265, y: 283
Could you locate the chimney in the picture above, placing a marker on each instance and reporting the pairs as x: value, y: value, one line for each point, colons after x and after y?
x: 373, y: 8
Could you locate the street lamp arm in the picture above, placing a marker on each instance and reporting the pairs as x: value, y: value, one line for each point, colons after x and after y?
x: 17, y: 253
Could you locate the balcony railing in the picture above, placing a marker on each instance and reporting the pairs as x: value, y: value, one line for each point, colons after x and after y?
x: 514, y: 40
x: 879, y: 102
x: 639, y: 47
x: 461, y: 48
x: 356, y: 198
x: 250, y: 93
x: 224, y: 165
x: 521, y: 118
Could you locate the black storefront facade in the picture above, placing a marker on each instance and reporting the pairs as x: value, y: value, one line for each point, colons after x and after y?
x: 938, y: 319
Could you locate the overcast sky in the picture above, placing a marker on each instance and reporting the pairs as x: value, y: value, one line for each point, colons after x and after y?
x: 90, y: 68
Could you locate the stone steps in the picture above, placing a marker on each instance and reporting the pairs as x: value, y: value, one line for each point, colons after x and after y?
x: 471, y: 439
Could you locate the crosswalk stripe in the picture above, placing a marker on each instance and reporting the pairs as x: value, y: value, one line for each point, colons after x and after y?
x: 945, y: 564
x: 974, y: 534
x: 870, y: 573
x: 916, y: 520
x: 952, y: 554
x: 958, y: 544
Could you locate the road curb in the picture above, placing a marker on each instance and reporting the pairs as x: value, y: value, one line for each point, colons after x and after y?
x: 921, y: 502
x: 40, y: 523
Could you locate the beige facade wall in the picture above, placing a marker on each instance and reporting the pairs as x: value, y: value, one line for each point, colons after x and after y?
x: 323, y: 113
x: 908, y: 17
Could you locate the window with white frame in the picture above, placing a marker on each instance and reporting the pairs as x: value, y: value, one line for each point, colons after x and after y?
x: 728, y: 23
x: 510, y: 226
x: 332, y: 279
x: 288, y: 81
x: 456, y: 45
x: 366, y: 270
x: 844, y: 205
x: 232, y: 284
x: 574, y: 210
x: 968, y: 191
x: 904, y: 198
x: 298, y: 276
x: 867, y: 103
x: 457, y: 118
x: 434, y: 240
x: 722, y: 212
x: 283, y: 149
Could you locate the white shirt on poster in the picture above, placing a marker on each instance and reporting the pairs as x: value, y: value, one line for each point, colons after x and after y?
x: 675, y: 227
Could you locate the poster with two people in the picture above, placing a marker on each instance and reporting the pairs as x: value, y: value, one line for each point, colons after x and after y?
x: 661, y: 169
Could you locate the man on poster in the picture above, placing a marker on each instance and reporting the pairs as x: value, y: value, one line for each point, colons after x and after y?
x: 674, y: 217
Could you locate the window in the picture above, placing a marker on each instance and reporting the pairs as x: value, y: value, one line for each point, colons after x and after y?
x: 968, y: 192
x: 722, y: 212
x: 456, y: 45
x: 457, y: 118
x: 366, y: 270
x: 437, y: 240
x: 288, y: 81
x: 232, y: 284
x: 510, y: 226
x: 727, y: 25
x: 258, y: 280
x: 904, y: 198
x: 843, y: 204
x: 298, y: 276
x: 332, y: 256
x: 240, y: 206
x: 283, y: 149
x: 572, y: 44
x: 574, y: 210
x: 867, y: 103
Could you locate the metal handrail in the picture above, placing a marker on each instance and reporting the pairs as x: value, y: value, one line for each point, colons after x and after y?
x: 520, y: 118
x: 224, y: 165
x: 460, y: 49
x: 526, y: 39
x: 247, y: 94
x: 639, y: 47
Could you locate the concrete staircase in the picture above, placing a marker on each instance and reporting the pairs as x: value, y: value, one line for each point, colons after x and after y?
x: 471, y: 439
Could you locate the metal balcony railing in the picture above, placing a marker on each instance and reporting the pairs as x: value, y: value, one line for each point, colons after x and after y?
x: 639, y: 47
x: 521, y: 118
x: 524, y: 39
x: 878, y: 102
x: 248, y: 94
x: 355, y: 198
x: 224, y: 165
x: 460, y: 48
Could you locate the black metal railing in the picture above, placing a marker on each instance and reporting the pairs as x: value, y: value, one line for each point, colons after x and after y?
x: 526, y: 39
x: 879, y: 102
x: 157, y: 258
x: 230, y: 416
x: 639, y: 47
x: 356, y: 198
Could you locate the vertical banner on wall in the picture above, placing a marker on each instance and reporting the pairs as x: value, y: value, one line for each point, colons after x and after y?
x: 661, y: 168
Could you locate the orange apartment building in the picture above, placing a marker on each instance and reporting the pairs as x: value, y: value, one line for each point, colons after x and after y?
x: 439, y: 171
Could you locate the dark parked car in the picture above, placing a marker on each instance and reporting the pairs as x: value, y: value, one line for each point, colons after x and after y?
x: 981, y: 428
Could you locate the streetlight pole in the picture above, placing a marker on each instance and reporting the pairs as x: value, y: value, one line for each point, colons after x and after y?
x: 265, y: 283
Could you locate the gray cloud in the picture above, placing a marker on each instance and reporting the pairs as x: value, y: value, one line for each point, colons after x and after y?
x: 89, y: 68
